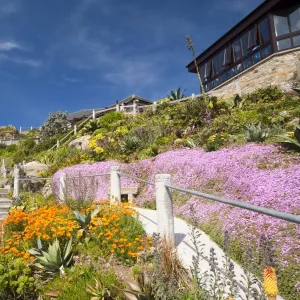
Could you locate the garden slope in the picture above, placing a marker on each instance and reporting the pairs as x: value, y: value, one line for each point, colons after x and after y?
x: 257, y: 174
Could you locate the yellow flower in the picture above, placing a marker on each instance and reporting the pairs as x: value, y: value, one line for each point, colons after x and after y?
x: 270, y: 283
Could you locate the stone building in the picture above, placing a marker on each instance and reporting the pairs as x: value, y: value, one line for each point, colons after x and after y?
x: 262, y: 49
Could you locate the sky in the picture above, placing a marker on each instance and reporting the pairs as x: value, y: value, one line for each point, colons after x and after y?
x: 77, y: 54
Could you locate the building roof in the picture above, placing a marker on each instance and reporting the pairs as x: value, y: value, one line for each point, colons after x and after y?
x: 234, y: 31
x: 81, y: 113
x: 132, y: 97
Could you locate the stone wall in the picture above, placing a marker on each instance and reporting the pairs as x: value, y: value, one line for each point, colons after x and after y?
x: 278, y: 70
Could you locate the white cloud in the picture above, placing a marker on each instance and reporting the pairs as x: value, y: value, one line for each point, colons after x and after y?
x: 7, y: 46
x: 8, y: 7
x: 23, y: 61
x: 72, y: 80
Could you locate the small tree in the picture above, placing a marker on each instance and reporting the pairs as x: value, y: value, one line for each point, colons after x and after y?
x: 55, y: 124
x: 176, y: 94
x: 190, y: 45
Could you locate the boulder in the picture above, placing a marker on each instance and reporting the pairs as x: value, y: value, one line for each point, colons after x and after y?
x: 33, y: 168
x: 81, y: 143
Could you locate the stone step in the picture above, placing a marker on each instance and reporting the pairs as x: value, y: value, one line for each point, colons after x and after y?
x: 5, y: 201
x: 3, y: 215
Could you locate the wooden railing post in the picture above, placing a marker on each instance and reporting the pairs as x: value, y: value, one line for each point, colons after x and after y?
x: 62, y: 186
x: 115, y: 184
x: 164, y: 207
x: 16, y: 182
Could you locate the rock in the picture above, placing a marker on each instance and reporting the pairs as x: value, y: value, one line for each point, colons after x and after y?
x: 3, y: 182
x: 33, y: 168
x: 47, y: 190
x: 81, y: 143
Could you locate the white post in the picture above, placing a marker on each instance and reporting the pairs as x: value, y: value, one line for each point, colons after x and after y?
x: 20, y: 129
x: 134, y: 107
x: 62, y: 186
x: 3, y: 169
x: 117, y: 107
x: 122, y: 107
x: 94, y: 114
x: 75, y: 129
x: 164, y: 207
x: 16, y: 182
x: 30, y: 127
x: 115, y: 185
x: 57, y: 144
x: 193, y: 96
x: 154, y: 106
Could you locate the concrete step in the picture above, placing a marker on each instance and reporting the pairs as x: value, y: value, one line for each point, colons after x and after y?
x: 3, y: 215
x: 5, y: 200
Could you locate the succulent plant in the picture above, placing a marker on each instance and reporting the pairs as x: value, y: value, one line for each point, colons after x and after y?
x: 55, y: 259
x: 255, y: 133
x: 84, y: 220
x: 99, y: 291
x: 295, y: 140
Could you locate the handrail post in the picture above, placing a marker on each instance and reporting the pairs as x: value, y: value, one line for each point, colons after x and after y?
x: 62, y: 186
x: 154, y: 106
x: 115, y: 185
x: 75, y: 129
x: 94, y: 114
x: 16, y: 182
x: 57, y: 144
x: 164, y: 207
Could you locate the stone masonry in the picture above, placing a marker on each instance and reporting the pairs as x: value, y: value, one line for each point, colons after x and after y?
x: 280, y: 69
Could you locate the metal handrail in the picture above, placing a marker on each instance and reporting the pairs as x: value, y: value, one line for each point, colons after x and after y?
x: 136, y: 178
x: 94, y: 175
x: 258, y: 209
x: 35, y: 178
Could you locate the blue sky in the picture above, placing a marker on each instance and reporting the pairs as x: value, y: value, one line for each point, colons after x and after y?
x: 74, y: 54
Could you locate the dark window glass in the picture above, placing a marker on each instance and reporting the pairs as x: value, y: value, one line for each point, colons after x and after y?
x: 210, y: 85
x: 207, y: 70
x: 266, y: 51
x: 237, y: 50
x: 239, y: 68
x: 215, y: 66
x: 228, y: 57
x: 223, y: 77
x: 221, y: 60
x: 247, y: 63
x: 202, y: 71
x: 295, y: 20
x: 231, y: 72
x: 206, y: 87
x: 217, y: 81
x: 264, y: 31
x: 281, y: 25
x: 256, y: 57
x: 244, y: 41
x: 284, y: 44
x: 252, y: 37
x: 296, y: 40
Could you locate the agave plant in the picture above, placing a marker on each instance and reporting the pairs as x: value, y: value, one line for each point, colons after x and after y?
x: 84, y: 220
x: 130, y: 144
x: 177, y: 94
x: 55, y: 259
x: 99, y: 291
x: 255, y: 133
x: 293, y: 141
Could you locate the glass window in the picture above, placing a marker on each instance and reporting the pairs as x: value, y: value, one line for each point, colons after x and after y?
x: 210, y: 85
x: 264, y: 31
x: 239, y: 68
x: 295, y: 20
x: 247, y: 63
x: 256, y: 57
x: 231, y: 72
x: 215, y: 66
x: 237, y: 50
x: 266, y: 51
x: 221, y: 60
x: 252, y: 37
x: 217, y: 81
x: 202, y: 71
x: 223, y: 77
x: 281, y: 25
x: 296, y: 40
x: 244, y: 41
x: 207, y: 69
x: 284, y: 44
x: 228, y: 59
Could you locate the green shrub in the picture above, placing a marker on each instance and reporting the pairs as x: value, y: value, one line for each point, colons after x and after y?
x: 16, y: 281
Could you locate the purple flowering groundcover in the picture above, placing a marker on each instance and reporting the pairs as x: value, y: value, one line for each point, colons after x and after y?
x: 258, y: 174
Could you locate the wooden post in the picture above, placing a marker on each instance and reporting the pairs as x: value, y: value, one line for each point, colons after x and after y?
x: 164, y: 207
x: 62, y: 186
x: 115, y: 185
x: 16, y: 182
